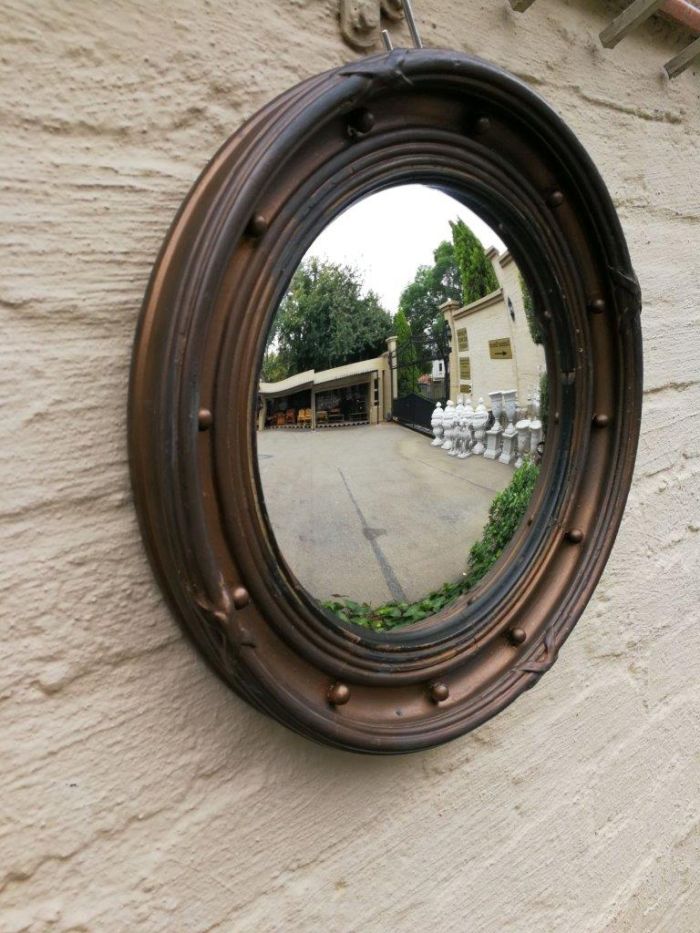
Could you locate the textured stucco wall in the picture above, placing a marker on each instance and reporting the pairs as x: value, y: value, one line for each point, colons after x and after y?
x: 137, y: 792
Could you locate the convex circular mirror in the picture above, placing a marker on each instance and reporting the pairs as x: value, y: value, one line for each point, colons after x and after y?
x: 385, y: 400
x: 407, y: 319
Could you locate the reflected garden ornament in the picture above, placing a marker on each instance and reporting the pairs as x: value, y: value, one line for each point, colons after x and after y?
x: 436, y: 424
x: 510, y: 435
x: 465, y: 440
x: 493, y: 435
x: 469, y: 412
x: 523, y: 433
x: 463, y: 451
x: 448, y: 424
x: 456, y: 437
x: 446, y: 120
x: 479, y: 422
x: 510, y: 404
x: 468, y: 428
x: 457, y: 428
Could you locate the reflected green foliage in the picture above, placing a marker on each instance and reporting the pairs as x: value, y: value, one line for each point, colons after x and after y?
x: 326, y: 320
x: 476, y: 272
x: 529, y: 305
x: 537, y: 335
x: 505, y: 514
x: 273, y: 367
x: 431, y: 287
x: 419, y: 303
x: 460, y: 272
x: 392, y: 615
x: 408, y: 363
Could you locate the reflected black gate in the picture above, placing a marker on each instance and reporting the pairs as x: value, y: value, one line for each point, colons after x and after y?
x: 412, y: 363
x: 414, y: 411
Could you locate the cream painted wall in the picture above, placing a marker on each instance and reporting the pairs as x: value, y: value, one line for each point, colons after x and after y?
x: 485, y: 321
x: 528, y: 356
x: 137, y: 792
x: 489, y: 319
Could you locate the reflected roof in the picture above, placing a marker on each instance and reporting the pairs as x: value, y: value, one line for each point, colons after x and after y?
x: 310, y: 377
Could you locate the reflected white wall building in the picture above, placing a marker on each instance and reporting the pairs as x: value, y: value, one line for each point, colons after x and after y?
x: 492, y: 348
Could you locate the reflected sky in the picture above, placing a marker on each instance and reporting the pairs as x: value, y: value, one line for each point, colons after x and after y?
x: 388, y: 235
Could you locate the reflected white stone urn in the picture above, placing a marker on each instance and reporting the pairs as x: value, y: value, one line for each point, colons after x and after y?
x: 469, y: 427
x: 510, y: 434
x: 523, y: 429
x: 456, y: 436
x: 448, y: 424
x: 465, y: 439
x: 493, y: 435
x: 481, y: 417
x: 436, y: 420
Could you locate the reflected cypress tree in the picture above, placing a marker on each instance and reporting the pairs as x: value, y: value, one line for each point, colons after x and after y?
x: 408, y: 368
x: 537, y: 335
x: 476, y: 272
x: 529, y: 306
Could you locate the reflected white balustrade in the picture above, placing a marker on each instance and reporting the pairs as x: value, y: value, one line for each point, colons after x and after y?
x: 461, y: 430
x: 481, y: 417
x: 494, y: 444
x: 436, y: 423
x: 523, y: 429
x: 448, y: 424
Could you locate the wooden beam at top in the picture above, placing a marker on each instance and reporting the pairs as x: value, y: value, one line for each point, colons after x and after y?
x: 681, y: 61
x: 628, y: 20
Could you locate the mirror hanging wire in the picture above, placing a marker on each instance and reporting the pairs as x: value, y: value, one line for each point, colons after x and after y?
x: 412, y: 28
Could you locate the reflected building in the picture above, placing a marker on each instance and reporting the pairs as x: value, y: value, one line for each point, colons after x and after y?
x: 357, y: 393
x: 492, y: 347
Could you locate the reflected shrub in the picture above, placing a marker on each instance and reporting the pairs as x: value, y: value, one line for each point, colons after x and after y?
x: 505, y: 514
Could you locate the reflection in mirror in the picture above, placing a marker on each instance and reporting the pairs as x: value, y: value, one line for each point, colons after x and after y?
x: 402, y: 408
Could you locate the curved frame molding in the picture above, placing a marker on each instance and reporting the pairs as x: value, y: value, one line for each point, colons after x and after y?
x: 458, y: 123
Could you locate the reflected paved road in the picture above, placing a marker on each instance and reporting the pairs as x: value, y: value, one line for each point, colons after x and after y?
x: 373, y: 513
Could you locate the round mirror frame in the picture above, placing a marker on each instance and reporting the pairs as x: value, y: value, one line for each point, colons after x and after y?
x: 420, y: 116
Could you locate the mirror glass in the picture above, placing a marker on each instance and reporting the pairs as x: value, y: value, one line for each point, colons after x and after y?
x: 402, y: 408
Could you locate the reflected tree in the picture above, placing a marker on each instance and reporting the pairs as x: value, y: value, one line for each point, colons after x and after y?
x: 326, y: 319
x: 461, y: 272
x: 428, y: 336
x: 533, y: 324
x: 537, y: 335
x: 476, y: 272
x: 273, y: 367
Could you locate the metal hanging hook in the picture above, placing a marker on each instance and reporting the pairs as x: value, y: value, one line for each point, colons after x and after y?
x: 411, y: 22
x: 412, y: 28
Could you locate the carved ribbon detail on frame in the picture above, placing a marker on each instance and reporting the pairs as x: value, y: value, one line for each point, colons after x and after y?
x: 360, y: 20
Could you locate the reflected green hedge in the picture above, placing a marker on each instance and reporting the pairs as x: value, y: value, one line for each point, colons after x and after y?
x: 505, y: 514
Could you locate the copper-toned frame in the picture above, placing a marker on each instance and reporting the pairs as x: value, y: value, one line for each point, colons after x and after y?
x: 443, y: 119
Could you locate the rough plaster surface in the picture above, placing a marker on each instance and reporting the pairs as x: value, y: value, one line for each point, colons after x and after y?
x: 137, y: 792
